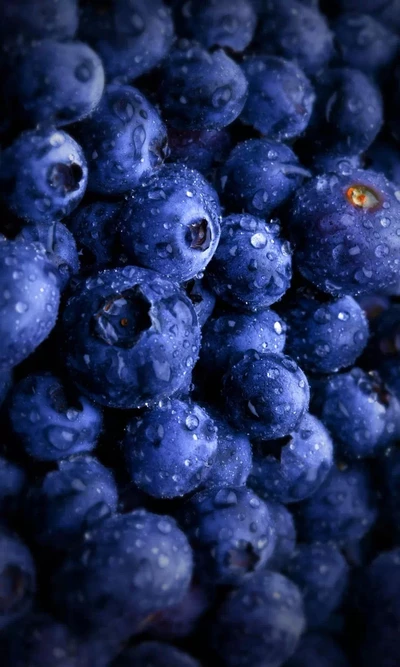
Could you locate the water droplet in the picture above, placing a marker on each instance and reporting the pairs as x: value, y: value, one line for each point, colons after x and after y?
x: 191, y: 422
x: 221, y: 97
x: 258, y: 240
x: 21, y: 307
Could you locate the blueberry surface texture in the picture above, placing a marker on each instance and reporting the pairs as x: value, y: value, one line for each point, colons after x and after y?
x: 201, y: 90
x: 43, y: 175
x: 94, y: 227
x: 51, y: 421
x: 259, y: 176
x: 266, y: 395
x: 280, y: 97
x: 124, y: 140
x: 29, y: 300
x: 221, y: 23
x: 130, y: 337
x: 231, y: 532
x: 171, y: 223
x: 252, y: 266
x: 170, y: 451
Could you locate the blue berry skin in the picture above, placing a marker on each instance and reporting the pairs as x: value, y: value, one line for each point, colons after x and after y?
x: 203, y: 300
x: 124, y: 140
x: 132, y: 38
x: 234, y: 456
x: 94, y: 227
x: 260, y: 623
x: 180, y: 620
x: 348, y: 112
x: 60, y: 248
x: 364, y: 43
x: 252, y: 267
x: 201, y: 90
x: 18, y: 579
x: 130, y: 337
x: 295, y: 31
x: 285, y: 535
x: 342, y: 510
x: 12, y: 487
x: 331, y: 163
x: 384, y: 11
x: 231, y: 532
x: 325, y: 334
x: 227, y: 337
x: 360, y: 412
x: 321, y: 573
x: 171, y: 223
x: 259, y: 176
x: 280, y: 97
x: 171, y: 449
x: 48, y: 18
x: 5, y: 384
x: 381, y: 611
x: 344, y: 229
x: 317, y: 648
x: 71, y: 499
x: 42, y: 641
x: 221, y: 23
x: 29, y: 300
x: 130, y: 566
x: 199, y: 149
x: 383, y: 156
x: 154, y: 654
x: 43, y: 175
x: 292, y: 469
x: 49, y: 424
x: 58, y: 83
x: 266, y: 395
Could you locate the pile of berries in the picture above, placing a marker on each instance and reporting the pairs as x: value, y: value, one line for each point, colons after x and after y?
x: 200, y: 333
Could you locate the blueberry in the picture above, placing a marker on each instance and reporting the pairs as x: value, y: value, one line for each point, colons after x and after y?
x: 60, y: 247
x: 381, y: 611
x: 71, y: 499
x: 58, y: 82
x: 199, y: 149
x: 123, y: 140
x: 131, y: 36
x: 231, y: 532
x: 325, y: 334
x: 130, y: 566
x: 333, y: 163
x: 342, y: 510
x: 259, y: 625
x: 321, y: 573
x: 171, y: 223
x: 385, y: 11
x: 234, y: 456
x: 47, y: 18
x: 42, y: 641
x: 130, y: 337
x: 292, y: 29
x: 364, y: 43
x: 292, y: 468
x: 266, y: 395
x: 201, y: 90
x: 94, y: 227
x: 154, y: 654
x: 318, y: 648
x: 43, y: 175
x: 280, y: 97
x: 259, y: 176
x: 344, y: 229
x: 17, y: 579
x: 227, y: 337
x: 50, y: 423
x: 360, y: 412
x: 202, y: 298
x: 285, y: 535
x: 252, y: 267
x: 29, y: 300
x: 221, y: 22
x: 171, y: 449
x: 13, y: 482
x: 348, y: 112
